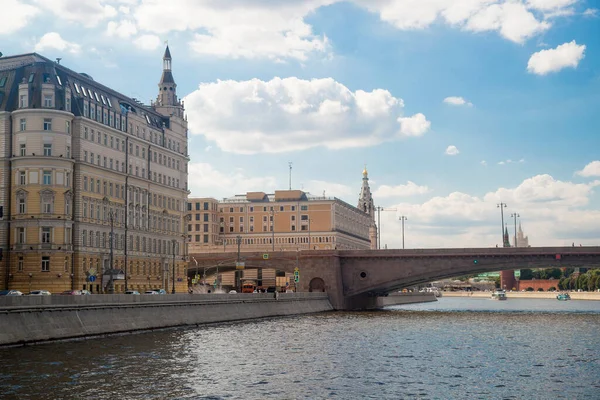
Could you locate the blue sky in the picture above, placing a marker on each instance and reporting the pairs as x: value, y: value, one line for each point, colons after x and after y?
x: 453, y: 105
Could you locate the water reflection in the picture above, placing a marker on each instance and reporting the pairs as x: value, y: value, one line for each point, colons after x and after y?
x: 429, y: 351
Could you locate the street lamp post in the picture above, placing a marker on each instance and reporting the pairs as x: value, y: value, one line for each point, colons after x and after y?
x: 111, y: 283
x: 502, y: 206
x: 238, y: 240
x: 173, y: 291
x: 402, y: 218
x: 273, y: 228
x: 515, y: 216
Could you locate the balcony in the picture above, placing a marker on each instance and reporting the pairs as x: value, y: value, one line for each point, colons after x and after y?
x: 41, y: 216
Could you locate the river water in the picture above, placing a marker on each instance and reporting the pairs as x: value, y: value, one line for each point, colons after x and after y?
x: 457, y: 348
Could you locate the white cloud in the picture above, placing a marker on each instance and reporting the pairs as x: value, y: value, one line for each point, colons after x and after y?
x: 292, y: 114
x: 552, y: 211
x: 52, y: 40
x: 590, y: 12
x: 513, y: 20
x: 457, y: 101
x: 484, y: 163
x: 509, y: 161
x: 410, y: 189
x: 205, y: 181
x: 19, y: 16
x: 417, y: 125
x: 123, y: 29
x: 329, y: 189
x: 253, y: 29
x: 553, y: 60
x: 87, y: 13
x: 550, y: 5
x: 452, y: 150
x: 592, y: 169
x: 147, y: 42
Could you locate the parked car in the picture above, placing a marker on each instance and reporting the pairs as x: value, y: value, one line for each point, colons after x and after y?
x: 132, y: 292
x: 39, y: 293
x: 150, y: 292
x: 10, y: 293
x: 71, y: 293
x: 232, y: 292
x: 160, y: 291
x: 85, y: 292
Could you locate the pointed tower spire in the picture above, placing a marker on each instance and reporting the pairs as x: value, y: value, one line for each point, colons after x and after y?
x: 365, y: 201
x: 167, y: 88
x: 506, y: 238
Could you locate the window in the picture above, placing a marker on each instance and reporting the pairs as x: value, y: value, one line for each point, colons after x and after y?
x: 46, y: 234
x: 280, y: 208
x: 47, y: 100
x: 47, y: 149
x: 20, y: 265
x: 47, y: 178
x: 21, y: 235
x: 22, y: 180
x: 23, y: 126
x: 85, y: 109
x: 47, y: 124
x: 77, y: 88
x: 47, y: 205
x: 105, y: 139
x: 45, y: 263
x: 23, y: 101
x: 85, y: 132
x: 68, y: 127
x: 293, y: 227
x: 85, y: 183
x: 22, y: 206
x: 22, y: 149
x: 68, y: 151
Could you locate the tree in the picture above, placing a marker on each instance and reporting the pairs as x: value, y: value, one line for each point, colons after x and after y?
x: 526, y: 274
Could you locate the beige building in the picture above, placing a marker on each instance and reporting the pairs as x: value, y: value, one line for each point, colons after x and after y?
x: 287, y: 220
x: 91, y: 181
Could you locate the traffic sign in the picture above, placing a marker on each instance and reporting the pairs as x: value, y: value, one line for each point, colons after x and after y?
x: 92, y: 278
x: 265, y: 256
x: 240, y: 265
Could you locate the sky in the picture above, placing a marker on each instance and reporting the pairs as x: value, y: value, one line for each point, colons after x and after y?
x: 455, y: 106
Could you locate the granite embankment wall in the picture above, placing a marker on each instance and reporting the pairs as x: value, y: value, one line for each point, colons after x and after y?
x: 395, y: 299
x: 32, y: 319
x: 528, y: 295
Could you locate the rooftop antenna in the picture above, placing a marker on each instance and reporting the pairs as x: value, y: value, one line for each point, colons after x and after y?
x: 290, y: 165
x: 58, y: 60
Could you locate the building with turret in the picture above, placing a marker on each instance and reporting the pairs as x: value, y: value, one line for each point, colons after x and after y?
x: 93, y: 184
x: 521, y: 240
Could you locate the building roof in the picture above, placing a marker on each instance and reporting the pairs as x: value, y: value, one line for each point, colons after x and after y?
x: 36, y: 69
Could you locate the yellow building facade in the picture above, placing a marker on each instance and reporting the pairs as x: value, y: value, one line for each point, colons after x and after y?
x: 93, y: 183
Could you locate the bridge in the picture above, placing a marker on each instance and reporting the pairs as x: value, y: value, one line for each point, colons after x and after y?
x: 354, y: 279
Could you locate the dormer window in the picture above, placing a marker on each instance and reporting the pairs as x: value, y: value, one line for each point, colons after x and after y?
x: 31, y: 77
x: 82, y: 90
x: 90, y: 93
x: 109, y: 103
x: 58, y: 80
x: 77, y: 88
x: 103, y: 99
x: 97, y: 98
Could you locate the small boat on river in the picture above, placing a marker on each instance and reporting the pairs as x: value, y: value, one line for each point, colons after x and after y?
x: 499, y: 295
x: 563, y: 296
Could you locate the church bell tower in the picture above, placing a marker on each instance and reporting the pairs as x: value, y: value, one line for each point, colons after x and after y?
x: 365, y: 204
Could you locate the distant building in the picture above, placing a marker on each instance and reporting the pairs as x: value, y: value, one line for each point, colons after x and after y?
x: 76, y: 155
x: 507, y: 278
x: 286, y: 220
x: 521, y: 240
x: 282, y: 221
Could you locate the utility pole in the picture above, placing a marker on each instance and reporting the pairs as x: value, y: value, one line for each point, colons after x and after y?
x: 502, y: 206
x: 402, y: 218
x: 238, y: 283
x: 173, y: 291
x: 111, y: 284
x: 379, y: 210
x: 290, y: 165
x: 273, y: 212
x: 515, y: 216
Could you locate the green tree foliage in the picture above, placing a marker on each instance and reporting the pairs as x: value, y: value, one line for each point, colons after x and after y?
x: 526, y: 274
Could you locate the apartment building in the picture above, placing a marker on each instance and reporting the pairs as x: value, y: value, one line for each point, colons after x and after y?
x: 93, y: 183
